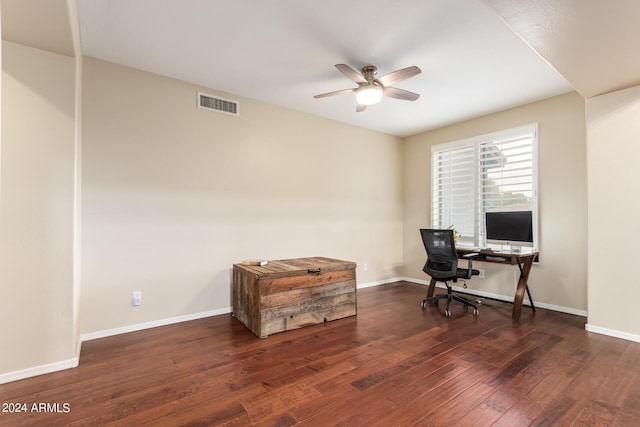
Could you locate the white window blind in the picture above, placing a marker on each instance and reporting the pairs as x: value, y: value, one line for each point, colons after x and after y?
x: 453, y: 189
x: 495, y: 172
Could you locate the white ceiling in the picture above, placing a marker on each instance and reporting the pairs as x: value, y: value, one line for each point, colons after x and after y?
x: 592, y: 43
x: 475, y: 55
x: 283, y: 52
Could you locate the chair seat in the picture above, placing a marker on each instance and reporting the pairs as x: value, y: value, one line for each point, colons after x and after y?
x: 461, y: 273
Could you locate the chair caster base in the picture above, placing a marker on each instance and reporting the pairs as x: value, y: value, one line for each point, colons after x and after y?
x: 449, y: 297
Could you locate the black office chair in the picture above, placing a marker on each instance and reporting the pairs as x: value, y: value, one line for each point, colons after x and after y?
x: 442, y: 266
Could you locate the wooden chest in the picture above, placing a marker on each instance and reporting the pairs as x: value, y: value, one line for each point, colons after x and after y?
x: 289, y: 294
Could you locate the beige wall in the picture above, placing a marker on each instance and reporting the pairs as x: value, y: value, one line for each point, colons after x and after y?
x: 36, y: 209
x: 559, y: 280
x: 613, y: 152
x: 174, y: 195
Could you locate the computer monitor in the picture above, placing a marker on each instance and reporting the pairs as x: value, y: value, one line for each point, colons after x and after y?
x: 513, y: 228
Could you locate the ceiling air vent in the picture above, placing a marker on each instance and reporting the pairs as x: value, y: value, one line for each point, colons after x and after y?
x: 215, y: 103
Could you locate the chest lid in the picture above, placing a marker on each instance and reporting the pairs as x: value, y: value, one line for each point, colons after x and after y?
x: 296, y: 267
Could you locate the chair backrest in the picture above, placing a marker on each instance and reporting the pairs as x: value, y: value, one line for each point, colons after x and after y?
x: 442, y: 259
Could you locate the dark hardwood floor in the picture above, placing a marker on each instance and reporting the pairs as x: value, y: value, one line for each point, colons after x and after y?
x: 391, y: 365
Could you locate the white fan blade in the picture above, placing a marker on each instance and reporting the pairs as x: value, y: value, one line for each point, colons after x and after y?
x: 405, y: 95
x: 337, y: 92
x: 398, y: 76
x: 351, y: 73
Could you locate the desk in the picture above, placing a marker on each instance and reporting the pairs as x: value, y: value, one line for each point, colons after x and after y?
x: 524, y: 261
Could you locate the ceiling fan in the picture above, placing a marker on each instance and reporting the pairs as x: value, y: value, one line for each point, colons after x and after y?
x: 370, y: 89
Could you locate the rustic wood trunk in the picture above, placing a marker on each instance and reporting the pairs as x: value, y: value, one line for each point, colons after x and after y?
x: 289, y: 294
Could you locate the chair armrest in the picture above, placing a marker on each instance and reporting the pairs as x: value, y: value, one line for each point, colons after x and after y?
x: 469, y: 257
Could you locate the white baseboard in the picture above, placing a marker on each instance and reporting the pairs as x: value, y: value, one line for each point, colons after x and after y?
x: 612, y: 333
x: 38, y: 370
x: 505, y: 298
x: 588, y: 327
x: 153, y: 324
x: 377, y: 283
x: 72, y: 363
x: 169, y: 321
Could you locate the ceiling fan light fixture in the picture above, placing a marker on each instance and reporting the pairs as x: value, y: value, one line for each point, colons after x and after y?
x: 369, y: 95
x: 371, y: 90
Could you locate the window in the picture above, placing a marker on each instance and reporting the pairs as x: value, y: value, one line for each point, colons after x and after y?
x: 494, y: 172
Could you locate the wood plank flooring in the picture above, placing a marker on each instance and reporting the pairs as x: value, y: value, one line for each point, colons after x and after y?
x: 391, y: 365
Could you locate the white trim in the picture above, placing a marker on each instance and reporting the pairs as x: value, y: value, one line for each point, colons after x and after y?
x: 612, y: 333
x: 171, y: 320
x: 72, y: 363
x: 501, y: 134
x: 505, y: 298
x: 377, y: 283
x: 78, y: 350
x: 38, y: 370
x: 153, y: 324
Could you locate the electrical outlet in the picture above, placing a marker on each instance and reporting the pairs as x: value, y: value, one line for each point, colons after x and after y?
x: 137, y: 298
x: 481, y: 274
